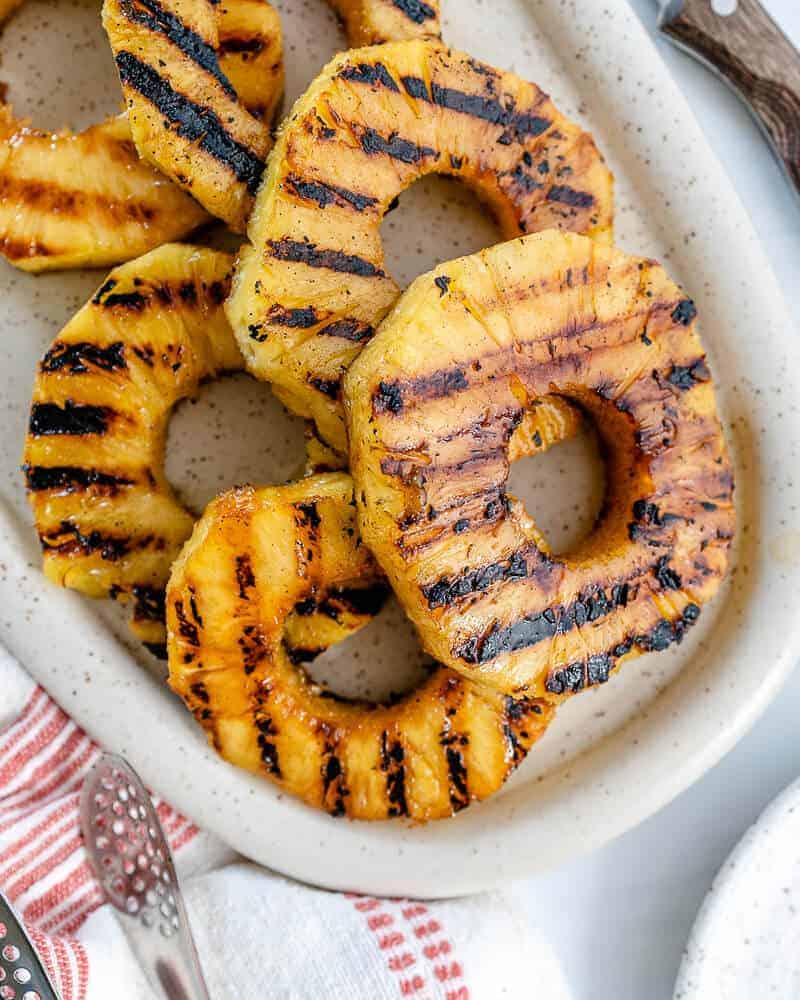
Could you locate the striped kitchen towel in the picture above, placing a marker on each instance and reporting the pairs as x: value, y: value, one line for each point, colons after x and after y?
x: 259, y: 935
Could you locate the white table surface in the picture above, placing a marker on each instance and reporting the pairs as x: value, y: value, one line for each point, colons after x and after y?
x: 620, y: 918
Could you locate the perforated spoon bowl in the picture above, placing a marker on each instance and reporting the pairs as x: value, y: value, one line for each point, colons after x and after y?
x: 131, y: 857
x: 22, y: 972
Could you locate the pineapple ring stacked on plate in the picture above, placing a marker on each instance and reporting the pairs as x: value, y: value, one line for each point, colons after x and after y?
x: 552, y: 313
x: 86, y: 199
x: 109, y: 523
x: 312, y: 286
x: 257, y: 564
x: 186, y: 116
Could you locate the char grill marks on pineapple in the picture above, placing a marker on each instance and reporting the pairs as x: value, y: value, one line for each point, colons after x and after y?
x: 376, y: 120
x: 107, y: 518
x: 373, y: 21
x: 548, y: 314
x: 268, y: 567
x: 186, y: 115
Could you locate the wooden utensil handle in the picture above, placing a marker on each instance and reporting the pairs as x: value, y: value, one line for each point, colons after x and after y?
x: 752, y: 54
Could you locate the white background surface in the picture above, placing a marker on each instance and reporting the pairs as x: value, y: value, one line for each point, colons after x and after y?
x: 621, y: 917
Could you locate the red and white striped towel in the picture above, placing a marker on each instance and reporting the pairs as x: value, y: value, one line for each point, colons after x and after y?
x: 258, y: 934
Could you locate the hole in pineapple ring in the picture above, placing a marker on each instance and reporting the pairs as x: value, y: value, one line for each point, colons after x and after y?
x: 233, y: 431
x: 563, y: 488
x: 436, y: 219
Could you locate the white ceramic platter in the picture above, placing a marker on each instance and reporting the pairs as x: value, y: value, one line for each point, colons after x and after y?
x: 746, y: 940
x: 614, y: 755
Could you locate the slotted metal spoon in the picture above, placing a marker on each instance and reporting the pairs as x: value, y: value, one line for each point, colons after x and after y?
x: 22, y: 973
x: 131, y: 857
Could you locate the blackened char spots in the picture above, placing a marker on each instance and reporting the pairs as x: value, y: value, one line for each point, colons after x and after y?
x: 416, y: 10
x: 330, y: 387
x: 683, y: 377
x: 297, y: 319
x: 370, y: 73
x: 134, y: 301
x: 392, y: 396
x: 392, y: 763
x: 301, y: 252
x: 573, y: 678
x: 187, y: 629
x: 328, y: 194
x: 266, y: 745
x: 458, y: 777
x: 517, y: 125
x: 565, y: 195
x: 448, y: 590
x: 191, y: 121
x: 387, y: 398
x: 253, y: 644
x: 69, y: 540
x: 80, y: 357
x: 73, y: 419
x: 415, y: 87
x: 245, y: 578
x: 72, y: 479
x: 348, y: 329
x: 527, y: 631
x: 684, y: 312
x: 309, y: 515
x: 668, y: 578
x: 395, y: 146
x: 442, y: 282
x: 152, y: 16
x: 150, y: 603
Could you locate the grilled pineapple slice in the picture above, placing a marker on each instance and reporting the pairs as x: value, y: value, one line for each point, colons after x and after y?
x: 311, y: 289
x: 186, y: 117
x: 108, y: 520
x: 257, y: 563
x: 250, y: 54
x: 369, y: 22
x: 83, y: 199
x: 558, y: 314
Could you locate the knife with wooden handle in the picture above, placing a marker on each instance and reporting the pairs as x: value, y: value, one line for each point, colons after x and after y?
x: 754, y: 57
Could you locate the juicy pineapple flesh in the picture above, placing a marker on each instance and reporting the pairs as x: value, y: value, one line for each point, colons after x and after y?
x: 186, y: 116
x: 370, y: 22
x: 259, y: 563
x: 312, y: 287
x: 549, y: 314
x: 108, y: 520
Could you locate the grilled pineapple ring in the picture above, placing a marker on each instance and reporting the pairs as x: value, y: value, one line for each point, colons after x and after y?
x: 86, y: 199
x: 432, y: 402
x: 257, y: 563
x: 311, y: 289
x: 83, y: 199
x: 186, y: 116
x: 108, y: 520
x: 369, y: 22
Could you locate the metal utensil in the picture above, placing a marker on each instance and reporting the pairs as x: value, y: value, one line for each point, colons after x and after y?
x: 22, y: 973
x: 752, y: 55
x: 132, y: 859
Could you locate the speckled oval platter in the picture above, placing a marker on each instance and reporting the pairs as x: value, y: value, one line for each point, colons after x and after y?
x: 745, y: 942
x: 616, y: 753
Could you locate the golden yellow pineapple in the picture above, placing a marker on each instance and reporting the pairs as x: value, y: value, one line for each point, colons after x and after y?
x: 369, y: 22
x: 83, y: 199
x: 550, y: 314
x: 312, y: 287
x: 258, y: 564
x: 107, y: 518
x: 250, y: 51
x: 186, y: 117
